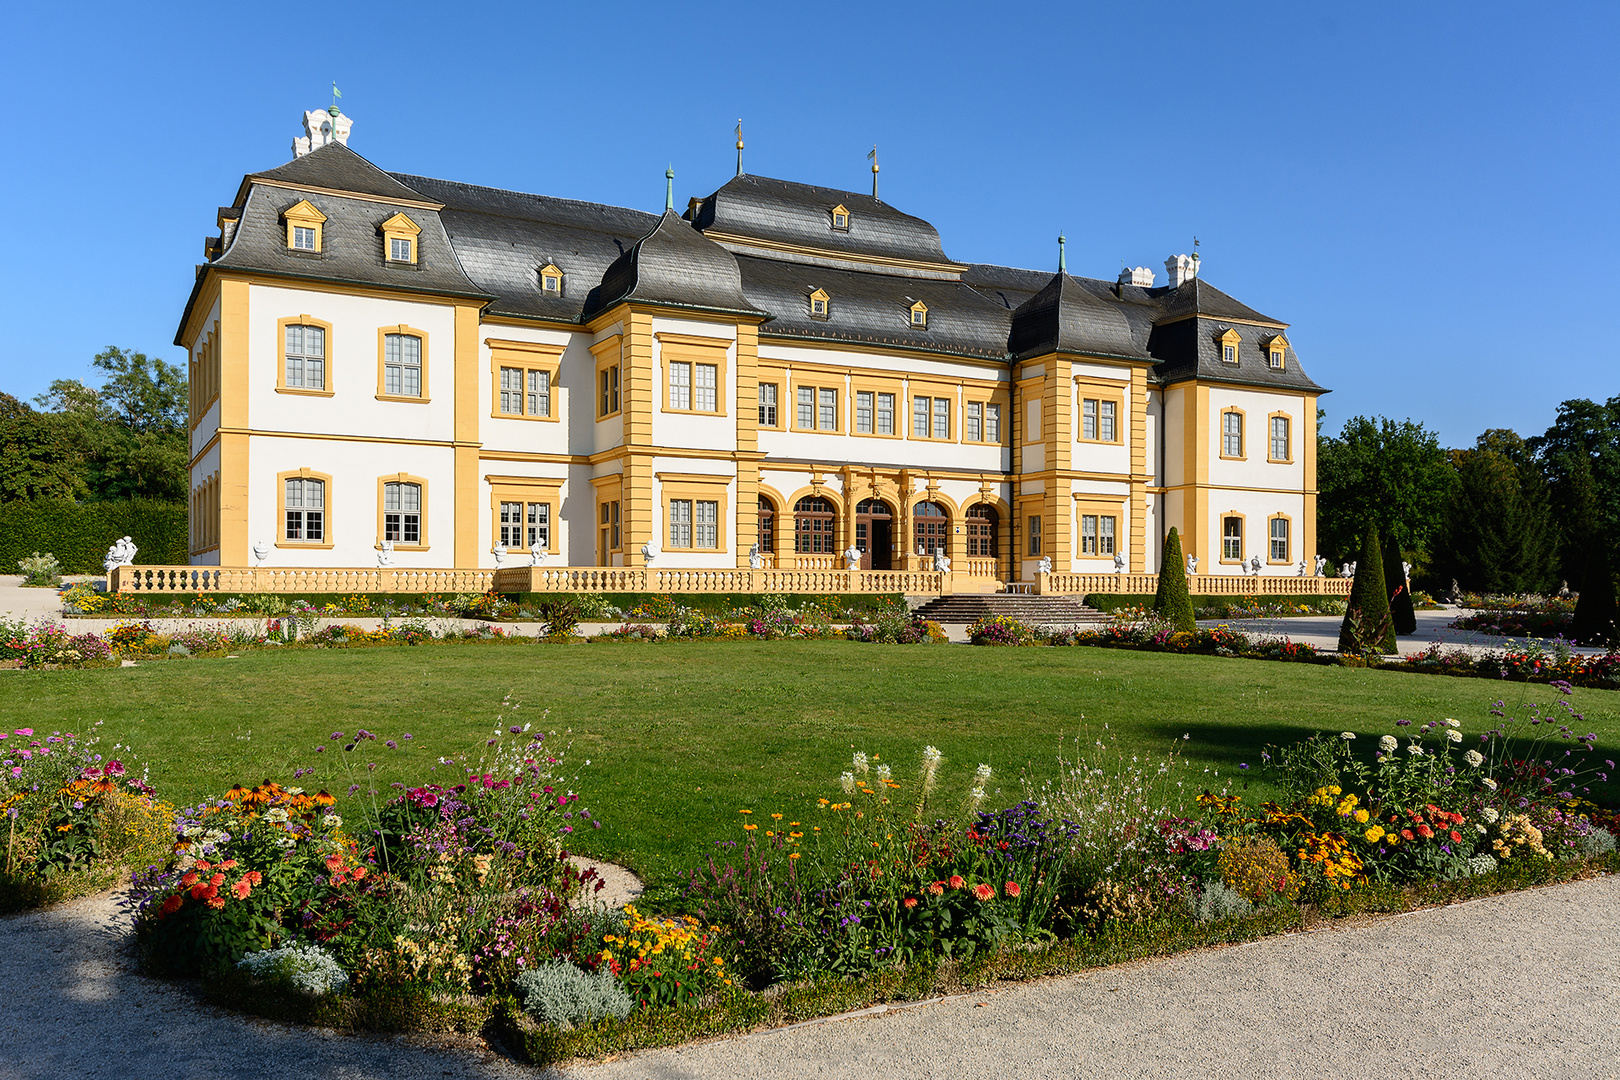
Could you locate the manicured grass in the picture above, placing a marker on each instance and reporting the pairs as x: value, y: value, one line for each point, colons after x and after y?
x: 680, y: 736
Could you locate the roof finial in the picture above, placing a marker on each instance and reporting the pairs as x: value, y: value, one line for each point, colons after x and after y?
x: 739, y: 146
x: 669, y: 188
x: 336, y: 93
x: 1063, y: 262
x: 873, y: 157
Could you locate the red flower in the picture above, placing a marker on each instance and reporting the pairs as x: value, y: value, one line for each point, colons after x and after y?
x: 228, y: 864
x: 253, y: 877
x: 1425, y: 832
x: 911, y: 901
x: 984, y: 892
x: 1456, y: 837
x: 1406, y: 834
x: 1013, y: 889
x: 241, y: 889
x: 956, y: 881
x: 936, y: 888
x: 358, y: 873
x: 189, y: 880
x: 172, y: 904
x: 217, y: 880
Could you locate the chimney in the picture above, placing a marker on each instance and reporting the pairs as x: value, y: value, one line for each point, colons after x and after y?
x: 322, y: 126
x: 1137, y: 275
x: 1181, y: 268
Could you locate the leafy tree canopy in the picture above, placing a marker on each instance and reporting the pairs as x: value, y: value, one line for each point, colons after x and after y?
x: 1390, y: 474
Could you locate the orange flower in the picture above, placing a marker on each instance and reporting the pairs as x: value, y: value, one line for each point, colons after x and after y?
x: 241, y: 889
x: 1013, y: 888
x: 217, y: 880
x: 1456, y: 837
x: 1406, y: 834
x: 172, y: 904
x: 1425, y: 832
x: 936, y: 888
x: 189, y: 880
x: 253, y: 877
x: 228, y: 864
x: 215, y: 902
x: 956, y: 881
x: 333, y: 862
x: 984, y: 892
x: 911, y: 901
x: 358, y: 873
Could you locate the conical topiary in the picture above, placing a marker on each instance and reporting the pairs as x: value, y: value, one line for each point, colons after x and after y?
x: 1367, y: 625
x: 1401, y: 614
x: 1596, y: 620
x: 1173, y: 602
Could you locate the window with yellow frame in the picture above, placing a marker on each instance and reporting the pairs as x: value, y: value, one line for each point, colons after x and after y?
x: 523, y: 379
x: 304, y: 227
x: 400, y: 235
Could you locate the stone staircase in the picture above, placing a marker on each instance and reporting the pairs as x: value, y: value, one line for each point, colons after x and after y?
x: 1058, y: 611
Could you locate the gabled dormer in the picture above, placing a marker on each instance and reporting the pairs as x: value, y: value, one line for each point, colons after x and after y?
x: 400, y: 235
x: 1276, y: 352
x: 304, y: 227
x: 551, y: 280
x: 840, y: 218
x: 919, y: 316
x: 1228, y: 340
x: 820, y: 304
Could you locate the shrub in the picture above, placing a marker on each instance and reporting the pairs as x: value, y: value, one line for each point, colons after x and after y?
x: 1402, y: 615
x: 80, y: 533
x: 41, y: 570
x: 1172, y: 602
x: 665, y: 961
x: 309, y: 969
x: 1367, y: 626
x: 1218, y: 900
x: 1002, y: 630
x: 1258, y: 870
x: 1595, y: 620
x: 560, y: 993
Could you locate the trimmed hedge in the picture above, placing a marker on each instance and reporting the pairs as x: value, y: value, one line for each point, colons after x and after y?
x: 721, y: 603
x: 1109, y: 602
x: 79, y: 534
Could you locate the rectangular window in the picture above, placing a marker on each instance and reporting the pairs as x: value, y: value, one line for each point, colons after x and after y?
x: 539, y: 399
x: 992, y: 423
x: 306, y: 357
x: 1088, y: 534
x: 303, y: 238
x: 537, y: 526
x: 1229, y: 353
x: 1279, y: 438
x: 1279, y: 540
x: 525, y: 392
x: 807, y: 408
x: 512, y: 390
x: 306, y: 510
x: 1232, y: 539
x: 526, y: 526
x: 402, y: 513
x: 1276, y: 359
x: 827, y: 410
x: 1088, y: 418
x: 885, y: 414
x: 975, y: 422
x: 402, y: 365
x: 1035, y: 534
x: 610, y: 527
x: 942, y: 418
x: 511, y: 524
x: 1105, y: 421
x: 706, y: 524
x: 863, y: 411
x: 1105, y: 537
x: 680, y: 386
x: 767, y: 404
x: 608, y: 391
x: 706, y: 387
x: 919, y: 418
x: 680, y: 523
x: 399, y: 249
x: 1232, y: 434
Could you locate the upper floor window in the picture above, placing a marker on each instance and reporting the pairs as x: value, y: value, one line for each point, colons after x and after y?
x: 551, y: 280
x: 399, y: 235
x: 304, y: 226
x: 1276, y: 351
x: 1228, y: 340
x: 1232, y: 434
x: 767, y: 404
x: 820, y: 304
x: 607, y: 379
x: 303, y: 238
x: 1280, y: 449
x: 693, y: 387
x: 402, y: 513
x: 305, y: 357
x: 402, y: 365
x: 931, y: 418
x: 1099, y: 419
x: 525, y: 392
x: 919, y: 315
x: 840, y: 218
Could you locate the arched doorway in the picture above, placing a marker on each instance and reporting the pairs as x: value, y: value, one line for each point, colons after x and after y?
x: 930, y: 528
x: 981, y: 521
x: 874, y: 534
x: 815, y: 526
x: 767, y: 526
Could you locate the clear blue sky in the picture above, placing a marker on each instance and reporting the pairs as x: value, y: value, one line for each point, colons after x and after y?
x: 1425, y: 192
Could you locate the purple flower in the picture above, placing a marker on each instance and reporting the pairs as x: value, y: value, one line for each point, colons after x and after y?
x: 391, y: 744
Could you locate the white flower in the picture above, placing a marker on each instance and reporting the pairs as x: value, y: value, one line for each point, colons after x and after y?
x: 1414, y: 749
x: 1488, y: 782
x: 331, y: 821
x: 931, y: 755
x: 295, y: 791
x: 1489, y: 814
x: 1388, y: 744
x: 1347, y: 735
x: 1480, y: 829
x: 977, y: 794
x: 883, y: 774
x: 861, y: 765
x: 982, y: 773
x: 847, y: 782
x: 1452, y: 723
x: 275, y: 814
x: 1454, y: 735
x: 1474, y: 758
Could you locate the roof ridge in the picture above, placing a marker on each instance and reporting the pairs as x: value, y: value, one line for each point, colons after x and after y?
x: 522, y: 194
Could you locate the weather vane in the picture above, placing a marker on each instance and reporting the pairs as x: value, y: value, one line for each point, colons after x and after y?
x: 873, y: 158
x: 739, y: 146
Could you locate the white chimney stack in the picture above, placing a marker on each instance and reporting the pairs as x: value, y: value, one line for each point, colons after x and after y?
x: 1181, y: 268
x: 321, y: 127
x: 1137, y: 275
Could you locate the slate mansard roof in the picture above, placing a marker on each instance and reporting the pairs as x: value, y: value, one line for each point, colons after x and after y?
x: 756, y: 248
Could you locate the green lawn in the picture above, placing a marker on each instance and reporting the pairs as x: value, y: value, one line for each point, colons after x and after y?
x: 680, y: 736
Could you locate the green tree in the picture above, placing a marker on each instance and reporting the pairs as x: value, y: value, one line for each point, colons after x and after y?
x: 37, y: 456
x: 1172, y: 600
x: 1597, y: 620
x: 1402, y: 616
x: 1367, y: 625
x: 1392, y: 475
x: 1580, y: 455
x: 146, y: 394
x: 1499, y: 534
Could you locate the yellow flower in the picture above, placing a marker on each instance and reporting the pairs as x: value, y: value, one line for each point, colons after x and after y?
x: 1361, y: 816
x: 1335, y: 790
x: 1375, y: 834
x: 745, y: 811
x: 795, y: 855
x: 776, y: 817
x: 750, y: 828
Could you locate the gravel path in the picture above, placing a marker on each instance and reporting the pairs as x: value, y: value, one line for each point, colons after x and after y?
x: 1524, y: 985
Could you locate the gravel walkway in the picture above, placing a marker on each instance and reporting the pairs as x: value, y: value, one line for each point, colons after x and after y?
x: 1524, y: 985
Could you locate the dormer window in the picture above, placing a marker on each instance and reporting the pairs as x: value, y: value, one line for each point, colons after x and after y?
x: 1276, y: 352
x: 399, y: 239
x: 304, y: 226
x: 551, y: 280
x: 820, y: 304
x: 840, y: 219
x: 919, y: 315
x: 1228, y: 342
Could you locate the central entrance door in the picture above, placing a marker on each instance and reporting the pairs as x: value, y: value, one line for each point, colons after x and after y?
x: 874, y: 534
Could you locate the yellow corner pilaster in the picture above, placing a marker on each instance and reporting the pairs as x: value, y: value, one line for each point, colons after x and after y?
x: 233, y: 415
x: 467, y: 440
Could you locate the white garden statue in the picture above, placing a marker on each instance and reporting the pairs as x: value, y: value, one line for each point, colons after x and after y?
x: 537, y: 555
x: 1192, y: 565
x: 1321, y: 561
x: 852, y: 557
x: 122, y: 553
x: 385, y: 554
x: 649, y: 552
x: 1301, y: 568
x: 1406, y: 572
x: 1045, y: 566
x: 756, y: 561
x: 1119, y: 562
x: 499, y: 551
x: 941, y: 563
x: 261, y: 551
x: 1254, y: 565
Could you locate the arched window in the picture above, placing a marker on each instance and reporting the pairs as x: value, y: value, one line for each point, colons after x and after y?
x: 767, y: 526
x: 981, y: 531
x: 930, y: 525
x: 814, y: 527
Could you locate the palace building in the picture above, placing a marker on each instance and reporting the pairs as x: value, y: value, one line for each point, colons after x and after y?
x: 443, y: 375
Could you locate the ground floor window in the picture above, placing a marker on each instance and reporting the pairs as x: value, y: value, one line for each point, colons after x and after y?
x: 767, y: 526
x: 981, y: 532
x: 1231, y: 539
x: 1034, y: 534
x: 930, y: 526
x: 402, y: 513
x: 1279, y: 540
x: 608, y: 511
x: 526, y: 525
x: 306, y: 509
x: 694, y: 523
x: 1097, y: 534
x: 814, y: 526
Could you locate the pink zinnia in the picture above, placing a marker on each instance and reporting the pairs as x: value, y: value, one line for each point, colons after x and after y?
x: 956, y: 881
x: 984, y: 892
x: 1013, y: 889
